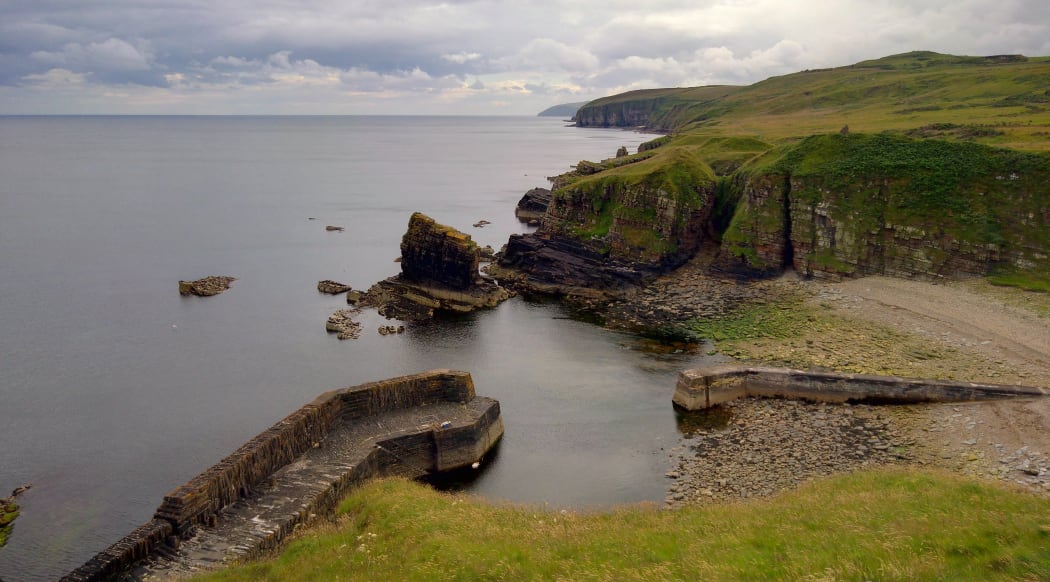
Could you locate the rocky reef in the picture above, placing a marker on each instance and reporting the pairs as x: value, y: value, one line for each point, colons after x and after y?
x: 439, y: 272
x: 205, y: 287
x: 855, y: 205
x: 614, y: 224
x: 332, y: 287
x: 9, y: 511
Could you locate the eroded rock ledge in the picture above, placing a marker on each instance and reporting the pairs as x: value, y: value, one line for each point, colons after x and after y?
x: 439, y: 272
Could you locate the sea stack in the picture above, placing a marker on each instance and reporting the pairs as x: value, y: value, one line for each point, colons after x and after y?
x: 439, y: 272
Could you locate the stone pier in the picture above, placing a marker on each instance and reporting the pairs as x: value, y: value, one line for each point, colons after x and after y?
x: 702, y: 388
x: 297, y: 471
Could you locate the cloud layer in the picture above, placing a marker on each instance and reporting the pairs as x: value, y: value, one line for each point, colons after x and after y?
x: 457, y: 56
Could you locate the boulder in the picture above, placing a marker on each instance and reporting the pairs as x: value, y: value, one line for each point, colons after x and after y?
x: 533, y: 204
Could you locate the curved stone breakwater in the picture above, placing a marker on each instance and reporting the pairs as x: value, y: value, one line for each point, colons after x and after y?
x: 295, y: 473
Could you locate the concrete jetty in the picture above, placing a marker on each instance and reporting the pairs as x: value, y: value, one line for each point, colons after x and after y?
x: 702, y: 388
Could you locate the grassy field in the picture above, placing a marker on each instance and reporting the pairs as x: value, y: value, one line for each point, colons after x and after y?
x: 875, y: 525
x: 995, y: 101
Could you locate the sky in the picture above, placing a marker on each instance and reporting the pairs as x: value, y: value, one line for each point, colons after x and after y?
x: 473, y: 57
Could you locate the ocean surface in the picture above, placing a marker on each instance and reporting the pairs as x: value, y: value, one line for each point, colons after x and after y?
x: 115, y: 389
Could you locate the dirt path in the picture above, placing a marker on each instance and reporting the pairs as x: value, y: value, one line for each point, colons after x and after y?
x: 955, y: 315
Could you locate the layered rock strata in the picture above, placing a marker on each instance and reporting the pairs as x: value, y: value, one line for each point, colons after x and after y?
x: 613, y: 228
x: 439, y: 272
x: 856, y: 205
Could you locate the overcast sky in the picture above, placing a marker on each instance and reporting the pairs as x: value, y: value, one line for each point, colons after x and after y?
x: 455, y: 57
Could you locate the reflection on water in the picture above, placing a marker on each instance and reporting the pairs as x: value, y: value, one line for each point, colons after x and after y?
x: 691, y: 422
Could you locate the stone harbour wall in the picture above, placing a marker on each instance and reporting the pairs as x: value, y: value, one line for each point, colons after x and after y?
x: 198, y: 502
x: 703, y: 388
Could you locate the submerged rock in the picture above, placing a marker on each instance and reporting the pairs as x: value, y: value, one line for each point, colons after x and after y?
x: 332, y: 287
x: 205, y: 287
x: 439, y: 272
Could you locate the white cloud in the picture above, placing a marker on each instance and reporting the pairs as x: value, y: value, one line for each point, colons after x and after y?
x: 112, y: 54
x: 55, y: 78
x: 546, y: 54
x: 461, y: 57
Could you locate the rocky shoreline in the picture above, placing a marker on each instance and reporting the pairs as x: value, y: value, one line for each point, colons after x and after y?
x: 769, y: 445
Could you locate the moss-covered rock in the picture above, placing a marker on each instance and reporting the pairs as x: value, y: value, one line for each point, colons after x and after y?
x: 8, y: 513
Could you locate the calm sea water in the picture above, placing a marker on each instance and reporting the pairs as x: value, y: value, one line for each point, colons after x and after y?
x: 114, y: 389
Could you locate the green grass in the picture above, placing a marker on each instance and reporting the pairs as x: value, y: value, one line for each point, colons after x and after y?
x: 1028, y: 281
x: 874, y: 525
x: 897, y: 93
x: 783, y: 319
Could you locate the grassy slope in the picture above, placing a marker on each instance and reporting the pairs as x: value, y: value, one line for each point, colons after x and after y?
x: 885, y: 525
x: 900, y: 93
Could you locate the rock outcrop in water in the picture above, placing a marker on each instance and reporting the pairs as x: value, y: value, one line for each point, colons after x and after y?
x: 332, y: 287
x: 613, y: 225
x: 205, y: 287
x: 533, y: 204
x: 439, y: 272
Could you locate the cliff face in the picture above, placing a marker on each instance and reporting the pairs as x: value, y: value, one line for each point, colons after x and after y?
x: 874, y: 204
x: 432, y: 252
x: 623, y: 114
x: 618, y: 226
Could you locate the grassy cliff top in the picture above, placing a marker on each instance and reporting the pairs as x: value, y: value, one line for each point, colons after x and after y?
x: 998, y: 100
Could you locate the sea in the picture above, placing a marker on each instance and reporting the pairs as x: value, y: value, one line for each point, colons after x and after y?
x: 114, y: 389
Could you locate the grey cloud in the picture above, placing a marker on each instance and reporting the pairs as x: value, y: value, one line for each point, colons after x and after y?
x: 470, y: 49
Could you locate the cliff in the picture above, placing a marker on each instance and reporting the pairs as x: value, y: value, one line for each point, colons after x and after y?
x: 653, y: 109
x: 852, y: 205
x: 564, y: 110
x: 618, y: 223
x: 940, y: 176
